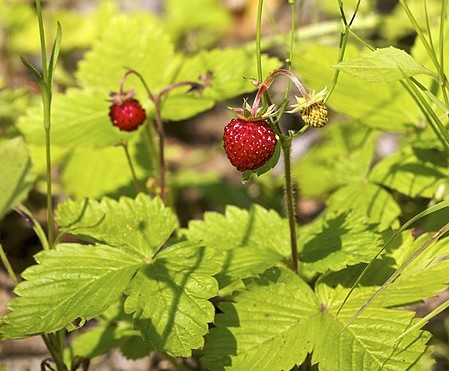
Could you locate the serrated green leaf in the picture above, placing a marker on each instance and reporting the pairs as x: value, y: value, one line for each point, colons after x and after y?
x: 142, y: 224
x: 368, y: 200
x: 127, y: 42
x: 413, y: 171
x: 388, y: 107
x: 79, y: 119
x: 245, y: 338
x: 369, y: 343
x: 252, y: 241
x: 169, y: 298
x: 383, y: 65
x: 70, y: 282
x: 336, y: 241
x: 15, y: 167
x: 262, y: 328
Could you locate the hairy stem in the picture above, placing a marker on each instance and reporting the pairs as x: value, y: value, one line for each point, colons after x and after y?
x: 286, y: 145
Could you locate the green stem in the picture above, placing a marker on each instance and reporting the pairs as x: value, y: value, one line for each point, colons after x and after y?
x: 136, y: 182
x: 50, y: 340
x: 34, y: 223
x: 50, y: 219
x: 420, y: 33
x: 258, y: 39
x: 343, y: 44
x: 8, y: 266
x: 161, y: 134
x: 46, y: 101
x: 442, y: 50
x: 286, y: 145
x: 42, y: 39
x: 292, y: 45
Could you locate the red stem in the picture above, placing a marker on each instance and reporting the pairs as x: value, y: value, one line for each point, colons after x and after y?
x: 269, y: 80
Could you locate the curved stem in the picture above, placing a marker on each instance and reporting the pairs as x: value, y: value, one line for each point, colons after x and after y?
x: 7, y: 264
x: 33, y: 223
x: 286, y: 145
x: 130, y: 71
x: 263, y: 87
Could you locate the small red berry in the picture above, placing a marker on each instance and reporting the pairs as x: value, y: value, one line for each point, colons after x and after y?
x: 127, y: 115
x: 249, y: 143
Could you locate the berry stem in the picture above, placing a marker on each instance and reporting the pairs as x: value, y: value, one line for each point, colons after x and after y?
x: 264, y: 86
x: 130, y: 71
x: 136, y: 182
x: 161, y: 133
x: 286, y: 145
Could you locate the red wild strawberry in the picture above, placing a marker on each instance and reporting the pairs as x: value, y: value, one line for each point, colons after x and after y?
x: 249, y: 143
x: 126, y: 114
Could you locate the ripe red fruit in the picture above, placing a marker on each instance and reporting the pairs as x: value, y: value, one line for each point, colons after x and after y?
x: 249, y: 143
x: 127, y: 115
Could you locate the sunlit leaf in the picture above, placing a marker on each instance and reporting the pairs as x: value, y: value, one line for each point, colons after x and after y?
x: 142, y: 224
x: 169, y: 298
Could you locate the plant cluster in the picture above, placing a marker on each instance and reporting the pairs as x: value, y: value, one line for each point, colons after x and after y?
x: 244, y: 288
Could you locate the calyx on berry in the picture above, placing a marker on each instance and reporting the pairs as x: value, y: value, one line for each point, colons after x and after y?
x: 312, y: 109
x: 126, y: 112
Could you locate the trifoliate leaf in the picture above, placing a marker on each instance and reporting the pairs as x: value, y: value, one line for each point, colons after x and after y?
x: 383, y: 65
x: 413, y: 171
x: 387, y: 107
x: 369, y: 342
x: 15, y: 167
x: 262, y: 329
x: 245, y: 338
x: 71, y: 282
x: 368, y: 200
x: 252, y: 241
x: 142, y: 224
x: 336, y: 241
x: 169, y: 298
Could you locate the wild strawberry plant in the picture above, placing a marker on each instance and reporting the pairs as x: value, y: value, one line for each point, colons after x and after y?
x: 246, y: 288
